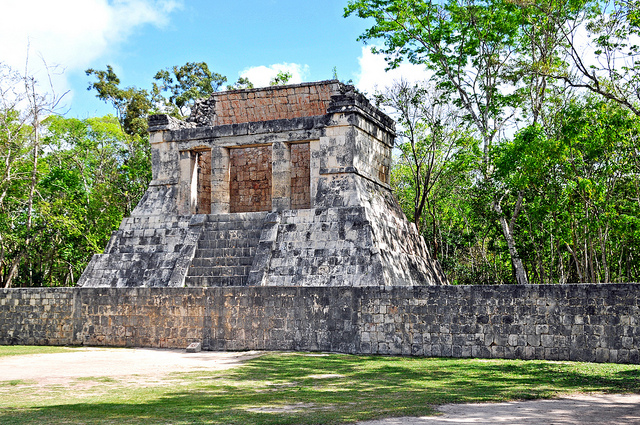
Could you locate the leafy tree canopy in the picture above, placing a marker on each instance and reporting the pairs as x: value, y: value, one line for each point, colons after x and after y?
x: 185, y: 85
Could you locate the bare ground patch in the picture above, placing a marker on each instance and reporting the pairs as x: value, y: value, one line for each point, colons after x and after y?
x: 611, y: 409
x: 101, y: 364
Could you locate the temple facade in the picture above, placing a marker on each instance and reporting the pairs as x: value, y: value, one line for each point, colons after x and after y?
x: 277, y: 186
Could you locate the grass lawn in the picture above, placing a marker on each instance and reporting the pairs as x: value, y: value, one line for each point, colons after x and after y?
x: 19, y: 350
x: 304, y: 388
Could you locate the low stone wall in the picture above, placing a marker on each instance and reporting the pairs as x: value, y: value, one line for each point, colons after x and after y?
x: 555, y: 322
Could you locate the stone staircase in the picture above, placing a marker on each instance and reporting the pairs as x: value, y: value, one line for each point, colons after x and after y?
x: 144, y: 250
x: 225, y: 250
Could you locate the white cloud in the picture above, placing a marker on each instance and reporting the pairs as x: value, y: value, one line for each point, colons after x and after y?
x: 72, y: 33
x: 260, y: 76
x: 373, y: 77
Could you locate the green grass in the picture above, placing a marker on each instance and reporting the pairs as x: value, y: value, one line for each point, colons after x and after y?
x: 21, y: 350
x: 13, y: 383
x: 102, y: 379
x: 302, y: 388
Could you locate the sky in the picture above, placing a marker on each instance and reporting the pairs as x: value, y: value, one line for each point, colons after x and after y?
x: 249, y: 38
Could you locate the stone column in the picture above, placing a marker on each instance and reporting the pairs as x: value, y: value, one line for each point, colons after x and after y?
x: 220, y: 197
x: 314, y: 169
x: 164, y: 156
x: 280, y: 176
x: 193, y: 193
x: 186, y: 174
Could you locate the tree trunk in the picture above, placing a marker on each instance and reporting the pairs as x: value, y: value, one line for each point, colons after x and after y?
x: 516, y: 261
x: 507, y: 230
x: 603, y: 254
x: 30, y: 90
x: 13, y: 270
x: 575, y: 259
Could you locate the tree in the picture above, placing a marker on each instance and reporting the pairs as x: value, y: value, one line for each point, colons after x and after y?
x: 525, y: 171
x: 470, y: 45
x: 242, y: 84
x: 132, y: 105
x: 88, y: 178
x: 185, y: 85
x: 601, y: 141
x: 599, y: 42
x: 24, y: 108
x: 281, y: 79
x: 541, y: 51
x: 93, y: 179
x: 15, y: 141
x: 579, y: 193
x: 429, y: 137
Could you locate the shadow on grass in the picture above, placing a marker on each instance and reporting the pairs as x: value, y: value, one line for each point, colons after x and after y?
x: 308, y: 389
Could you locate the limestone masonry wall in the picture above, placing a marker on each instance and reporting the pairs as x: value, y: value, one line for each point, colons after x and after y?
x: 272, y: 103
x: 556, y: 322
x: 250, y: 179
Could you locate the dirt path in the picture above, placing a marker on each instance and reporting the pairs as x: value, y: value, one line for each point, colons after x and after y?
x: 60, y: 368
x: 112, y: 362
x: 610, y: 409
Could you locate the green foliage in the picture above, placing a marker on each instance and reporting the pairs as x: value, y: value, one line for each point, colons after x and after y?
x: 299, y: 388
x: 132, y: 105
x: 281, y: 79
x: 90, y: 176
x: 185, y: 85
x: 468, y: 44
x: 241, y: 84
x: 579, y: 213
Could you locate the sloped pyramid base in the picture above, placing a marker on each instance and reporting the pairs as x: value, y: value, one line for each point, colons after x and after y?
x: 368, y: 245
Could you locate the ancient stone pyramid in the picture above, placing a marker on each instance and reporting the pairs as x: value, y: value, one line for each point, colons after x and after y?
x: 278, y: 186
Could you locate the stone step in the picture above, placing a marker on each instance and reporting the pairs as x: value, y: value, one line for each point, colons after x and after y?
x: 227, y: 244
x: 214, y: 271
x: 230, y: 233
x: 200, y: 281
x: 231, y: 266
x: 223, y: 260
x: 202, y: 252
x: 225, y: 250
x: 233, y: 225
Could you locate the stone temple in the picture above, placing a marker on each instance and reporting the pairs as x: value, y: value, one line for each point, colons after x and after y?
x: 278, y: 186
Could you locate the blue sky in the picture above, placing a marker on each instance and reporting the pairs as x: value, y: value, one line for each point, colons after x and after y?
x: 139, y: 37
